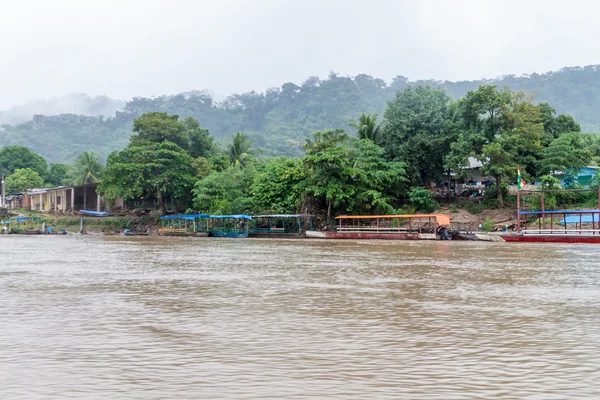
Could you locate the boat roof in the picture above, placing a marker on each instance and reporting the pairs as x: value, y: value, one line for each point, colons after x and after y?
x: 559, y: 212
x: 185, y: 216
x: 281, y: 215
x: 388, y: 216
x: 441, y: 219
x: 237, y: 216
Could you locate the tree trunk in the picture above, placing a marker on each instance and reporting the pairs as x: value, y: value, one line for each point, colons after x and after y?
x: 449, y: 177
x: 499, y: 190
x: 161, y: 203
x: 328, y: 209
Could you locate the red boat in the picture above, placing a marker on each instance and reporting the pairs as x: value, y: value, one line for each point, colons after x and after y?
x: 388, y: 227
x: 574, y: 226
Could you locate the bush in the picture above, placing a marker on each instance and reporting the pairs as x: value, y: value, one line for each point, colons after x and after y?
x: 474, y: 208
x: 421, y: 199
x: 535, y: 202
x: 488, y: 224
x: 490, y: 199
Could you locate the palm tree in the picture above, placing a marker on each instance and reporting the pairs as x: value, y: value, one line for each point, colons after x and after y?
x: 366, y: 127
x: 239, y: 150
x: 86, y: 169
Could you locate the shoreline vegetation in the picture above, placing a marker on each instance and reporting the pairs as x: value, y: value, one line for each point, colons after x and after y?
x: 409, y: 160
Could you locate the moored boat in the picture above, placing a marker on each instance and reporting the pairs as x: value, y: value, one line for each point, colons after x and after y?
x: 572, y: 226
x: 228, y: 226
x: 388, y: 227
x: 193, y: 225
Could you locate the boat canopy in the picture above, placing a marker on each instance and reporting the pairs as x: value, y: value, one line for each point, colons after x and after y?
x: 238, y: 216
x: 440, y: 219
x: 281, y: 216
x: 190, y: 217
x: 560, y: 212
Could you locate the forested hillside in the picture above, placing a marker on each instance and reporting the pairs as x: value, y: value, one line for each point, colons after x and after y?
x: 281, y: 118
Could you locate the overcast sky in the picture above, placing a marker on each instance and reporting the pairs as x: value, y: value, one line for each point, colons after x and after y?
x: 126, y: 48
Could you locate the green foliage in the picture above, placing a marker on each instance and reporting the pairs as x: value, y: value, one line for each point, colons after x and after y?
x: 86, y: 169
x: 367, y: 127
x: 156, y: 170
x: 280, y: 118
x: 160, y: 127
x: 567, y: 152
x: 421, y: 199
x: 474, y: 208
x: 488, y: 224
x: 58, y: 174
x: 490, y: 199
x: 535, y: 202
x: 329, y: 171
x: 19, y: 157
x: 414, y: 131
x: 280, y: 186
x: 225, y: 192
x: 239, y: 149
x: 22, y: 179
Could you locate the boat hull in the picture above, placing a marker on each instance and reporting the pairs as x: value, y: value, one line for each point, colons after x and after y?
x: 361, y: 235
x: 180, y: 234
x: 551, y: 239
x: 229, y: 234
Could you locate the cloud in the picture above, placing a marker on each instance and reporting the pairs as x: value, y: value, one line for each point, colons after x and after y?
x: 150, y: 47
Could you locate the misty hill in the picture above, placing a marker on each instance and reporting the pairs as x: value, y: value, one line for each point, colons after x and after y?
x: 280, y: 118
x: 76, y: 103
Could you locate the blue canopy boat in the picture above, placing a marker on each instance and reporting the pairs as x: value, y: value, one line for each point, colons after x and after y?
x: 231, y: 226
x: 184, y: 225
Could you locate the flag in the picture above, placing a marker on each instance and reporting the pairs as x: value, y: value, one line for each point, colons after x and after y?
x: 520, y: 181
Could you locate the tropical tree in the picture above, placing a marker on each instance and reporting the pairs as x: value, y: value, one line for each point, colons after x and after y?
x: 568, y: 152
x: 413, y: 131
x: 225, y: 192
x: 160, y: 127
x: 58, y: 174
x: 328, y: 168
x: 86, y: 169
x: 367, y: 127
x: 22, y: 179
x: 19, y: 157
x: 240, y: 149
x: 378, y: 181
x: 159, y: 170
x: 280, y: 186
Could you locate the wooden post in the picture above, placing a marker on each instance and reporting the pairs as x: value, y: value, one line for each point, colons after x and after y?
x: 543, y: 209
x: 580, y: 218
x: 518, y: 211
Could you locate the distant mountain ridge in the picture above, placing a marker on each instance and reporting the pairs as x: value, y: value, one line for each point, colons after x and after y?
x: 280, y: 118
x: 75, y: 103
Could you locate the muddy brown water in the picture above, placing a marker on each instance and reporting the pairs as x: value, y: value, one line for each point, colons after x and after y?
x: 199, y: 318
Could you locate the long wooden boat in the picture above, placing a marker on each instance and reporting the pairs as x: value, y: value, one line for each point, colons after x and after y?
x: 228, y: 226
x: 574, y: 226
x: 185, y: 225
x: 388, y: 227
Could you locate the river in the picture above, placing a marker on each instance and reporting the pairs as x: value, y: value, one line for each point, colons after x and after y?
x: 199, y: 318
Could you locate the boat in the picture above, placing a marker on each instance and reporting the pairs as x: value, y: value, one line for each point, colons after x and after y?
x: 388, y: 227
x: 33, y: 231
x: 280, y: 225
x: 229, y: 226
x: 571, y: 226
x: 183, y: 225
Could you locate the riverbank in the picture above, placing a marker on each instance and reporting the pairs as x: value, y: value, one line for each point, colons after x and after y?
x: 461, y: 219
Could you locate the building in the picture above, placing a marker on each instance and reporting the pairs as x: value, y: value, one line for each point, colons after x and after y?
x: 67, y: 199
